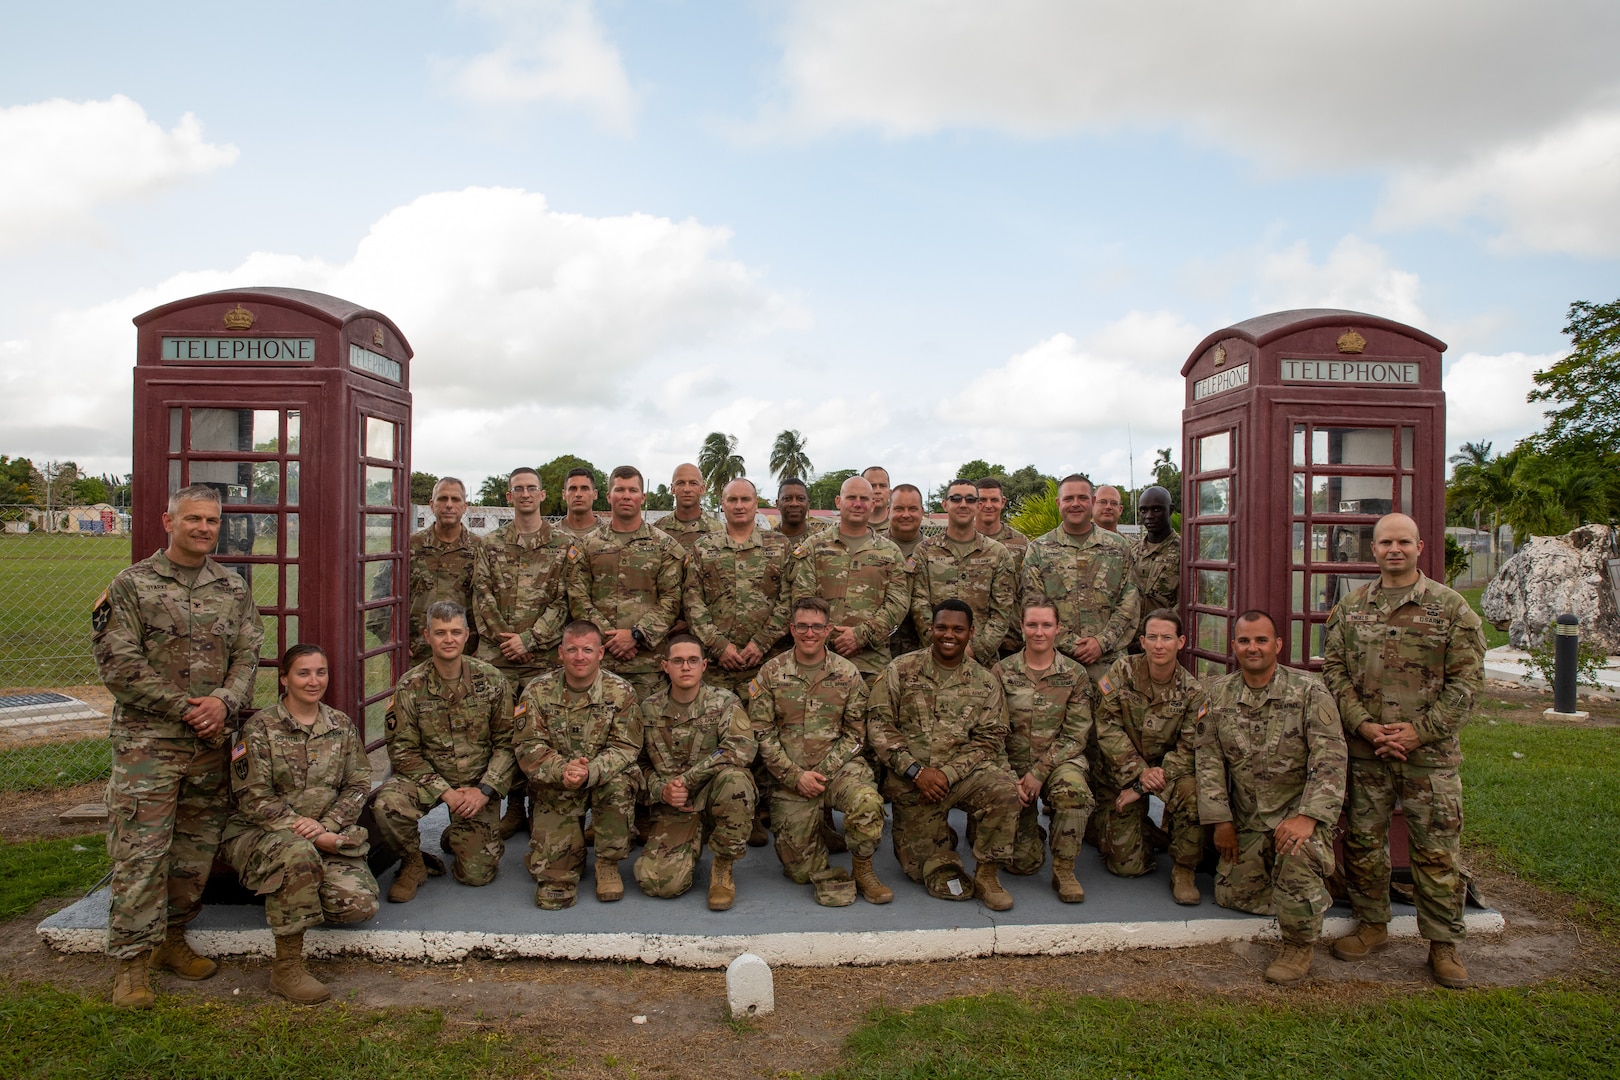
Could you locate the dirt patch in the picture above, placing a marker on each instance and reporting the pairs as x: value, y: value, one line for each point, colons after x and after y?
x: 31, y: 815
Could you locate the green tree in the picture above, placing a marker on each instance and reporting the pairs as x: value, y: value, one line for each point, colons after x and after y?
x: 788, y: 456
x: 492, y: 492
x: 1167, y: 474
x: 422, y: 488
x: 1561, y: 490
x: 1037, y: 515
x: 1585, y: 385
x: 89, y: 490
x: 719, y: 463
x: 554, y: 477
x: 660, y: 498
x: 16, y: 476
x: 1457, y: 560
x: 1481, y: 488
x: 1016, y: 485
x: 824, y: 491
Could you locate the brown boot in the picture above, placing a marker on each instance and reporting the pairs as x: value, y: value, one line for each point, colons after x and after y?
x: 722, y: 890
x: 175, y: 955
x: 1368, y: 939
x: 759, y: 835
x: 866, y: 880
x: 1184, y: 886
x: 1067, y: 885
x: 514, y: 819
x: 288, y: 976
x: 132, y: 988
x: 412, y: 872
x: 1291, y: 965
x: 609, y: 885
x: 1448, y: 970
x: 987, y: 887
x: 836, y: 844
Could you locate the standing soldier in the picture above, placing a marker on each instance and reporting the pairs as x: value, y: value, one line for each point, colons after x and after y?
x: 1404, y: 656
x: 521, y: 600
x: 441, y: 563
x: 1088, y: 577
x: 862, y: 577
x: 965, y: 565
x: 878, y: 477
x: 688, y: 524
x: 177, y: 642
x: 1147, y: 713
x: 793, y: 503
x: 808, y: 708
x: 625, y: 578
x: 1156, y: 555
x: 992, y: 502
x: 905, y: 529
x: 578, y: 736
x: 938, y: 725
x: 1108, y: 507
x: 1271, y: 763
x: 1049, y: 723
x: 699, y: 744
x: 579, y: 496
x: 449, y: 740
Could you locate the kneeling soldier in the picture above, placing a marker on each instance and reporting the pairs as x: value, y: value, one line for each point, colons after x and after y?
x: 577, y: 740
x: 699, y: 746
x: 450, y: 741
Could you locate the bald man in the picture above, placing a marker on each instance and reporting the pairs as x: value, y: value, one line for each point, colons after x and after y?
x: 1106, y: 509
x: 1404, y: 656
x: 688, y: 524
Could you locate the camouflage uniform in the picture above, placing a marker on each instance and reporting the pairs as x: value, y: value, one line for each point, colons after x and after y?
x: 954, y: 720
x: 1089, y: 578
x: 815, y: 719
x: 1048, y: 726
x: 708, y: 744
x: 284, y: 771
x: 444, y: 735
x: 520, y: 586
x: 1156, y: 570
x: 867, y: 589
x: 1142, y: 725
x: 555, y: 725
x: 158, y: 641
x: 1419, y: 663
x: 736, y: 593
x: 439, y: 571
x: 1017, y: 545
x: 982, y: 576
x: 572, y: 534
x: 688, y: 533
x: 623, y: 581
x: 1264, y: 756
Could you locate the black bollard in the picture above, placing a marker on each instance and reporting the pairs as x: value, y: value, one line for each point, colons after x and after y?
x: 1566, y: 654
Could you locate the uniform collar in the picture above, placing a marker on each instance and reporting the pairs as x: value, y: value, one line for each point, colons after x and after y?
x: 208, y: 571
x: 324, y: 719
x: 539, y: 538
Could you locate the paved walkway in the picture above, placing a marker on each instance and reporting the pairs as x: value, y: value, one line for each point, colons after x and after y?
x: 1510, y: 665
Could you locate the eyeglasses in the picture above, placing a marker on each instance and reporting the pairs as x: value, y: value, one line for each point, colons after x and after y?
x: 683, y: 661
x: 811, y: 628
x: 969, y: 499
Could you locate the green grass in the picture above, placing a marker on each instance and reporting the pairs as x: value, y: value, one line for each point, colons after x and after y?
x: 55, y: 765
x: 48, y: 584
x: 45, y: 1032
x: 36, y: 870
x: 1494, y: 638
x: 1518, y: 1033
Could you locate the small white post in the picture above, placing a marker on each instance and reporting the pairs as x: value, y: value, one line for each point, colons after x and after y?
x: 749, y: 989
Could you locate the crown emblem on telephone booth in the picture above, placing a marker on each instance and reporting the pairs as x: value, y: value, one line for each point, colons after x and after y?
x: 1351, y: 342
x: 238, y: 318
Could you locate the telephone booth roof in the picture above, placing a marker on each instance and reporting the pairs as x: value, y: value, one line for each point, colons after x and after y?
x: 333, y: 310
x: 1264, y: 329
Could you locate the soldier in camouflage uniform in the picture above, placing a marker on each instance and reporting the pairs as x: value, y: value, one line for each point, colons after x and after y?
x: 965, y: 565
x: 579, y: 499
x: 699, y: 744
x: 578, y: 737
x: 1049, y: 723
x: 992, y: 501
x: 736, y: 592
x: 441, y: 563
x: 626, y: 579
x: 1107, y: 508
x: 905, y: 529
x: 808, y: 709
x: 793, y: 504
x: 1088, y: 576
x: 1156, y: 555
x: 1271, y: 770
x: 1405, y: 656
x: 449, y: 740
x: 878, y: 477
x: 938, y: 725
x: 688, y: 524
x: 300, y: 781
x: 176, y: 640
x: 861, y: 576
x: 1147, y: 712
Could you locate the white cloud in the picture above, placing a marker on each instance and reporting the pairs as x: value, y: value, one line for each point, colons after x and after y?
x: 1321, y: 85
x: 1356, y: 275
x: 65, y: 160
x: 551, y: 51
x: 1485, y: 398
x: 1559, y: 191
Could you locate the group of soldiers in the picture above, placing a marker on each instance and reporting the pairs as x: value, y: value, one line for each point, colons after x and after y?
x: 712, y: 682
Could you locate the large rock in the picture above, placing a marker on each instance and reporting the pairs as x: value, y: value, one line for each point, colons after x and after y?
x: 1551, y: 575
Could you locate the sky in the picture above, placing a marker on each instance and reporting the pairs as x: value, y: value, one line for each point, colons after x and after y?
x: 918, y: 231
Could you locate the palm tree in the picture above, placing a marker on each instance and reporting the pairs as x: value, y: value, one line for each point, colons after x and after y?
x: 788, y: 457
x: 720, y: 463
x: 1483, y: 485
x: 1036, y: 515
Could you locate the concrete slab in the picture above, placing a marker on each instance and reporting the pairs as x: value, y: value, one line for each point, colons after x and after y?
x: 773, y: 918
x: 43, y: 709
x: 1513, y: 665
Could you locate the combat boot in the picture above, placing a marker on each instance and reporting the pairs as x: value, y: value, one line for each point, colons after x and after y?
x: 866, y: 880
x: 836, y: 844
x: 132, y: 988
x: 1291, y: 965
x: 1068, y: 887
x: 175, y: 955
x: 1448, y: 970
x: 288, y: 976
x: 1368, y: 939
x: 759, y: 835
x: 412, y: 872
x: 609, y: 885
x: 514, y: 819
x: 987, y: 887
x: 1184, y: 886
x: 722, y: 890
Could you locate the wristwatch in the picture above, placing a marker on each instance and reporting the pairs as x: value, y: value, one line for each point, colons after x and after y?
x: 638, y: 637
x: 489, y: 792
x: 1136, y: 786
x: 911, y: 773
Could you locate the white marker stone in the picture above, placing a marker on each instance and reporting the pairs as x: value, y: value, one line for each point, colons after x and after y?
x: 749, y: 990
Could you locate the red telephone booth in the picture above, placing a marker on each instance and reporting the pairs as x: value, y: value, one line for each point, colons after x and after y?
x: 1301, y: 429
x: 296, y: 407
